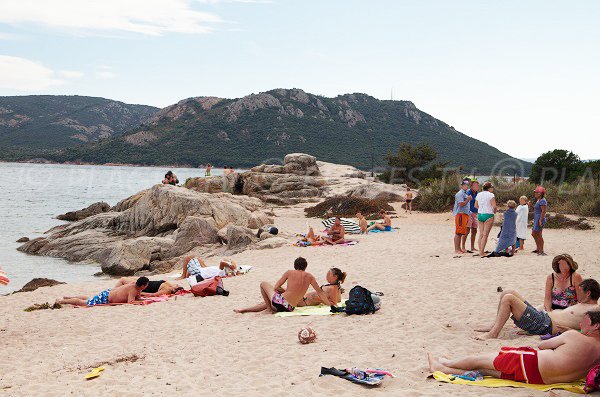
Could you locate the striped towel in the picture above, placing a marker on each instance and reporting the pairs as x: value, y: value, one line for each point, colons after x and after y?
x: 3, y: 279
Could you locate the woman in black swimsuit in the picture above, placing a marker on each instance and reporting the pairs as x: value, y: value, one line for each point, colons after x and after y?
x: 154, y: 288
x: 335, y: 277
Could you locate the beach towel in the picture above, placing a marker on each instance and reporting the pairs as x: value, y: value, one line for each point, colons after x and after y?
x: 488, y: 381
x: 320, y: 310
x: 508, y: 234
x: 368, y: 377
x: 382, y: 231
x: 304, y: 244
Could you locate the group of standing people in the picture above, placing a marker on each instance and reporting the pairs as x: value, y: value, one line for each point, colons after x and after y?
x: 474, y: 213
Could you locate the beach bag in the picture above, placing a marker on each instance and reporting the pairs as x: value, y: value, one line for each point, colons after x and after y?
x: 360, y: 301
x: 592, y: 381
x: 207, y: 287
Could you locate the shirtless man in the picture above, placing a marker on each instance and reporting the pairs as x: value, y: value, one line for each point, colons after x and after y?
x: 539, y: 322
x: 565, y: 358
x: 154, y: 288
x: 386, y: 225
x: 362, y: 223
x: 128, y: 293
x: 408, y: 197
x: 278, y: 299
x: 335, y: 234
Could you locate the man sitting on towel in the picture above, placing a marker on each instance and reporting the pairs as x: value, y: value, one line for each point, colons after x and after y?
x: 538, y: 322
x: 565, y: 358
x: 128, y: 293
x: 335, y: 234
x: 385, y: 226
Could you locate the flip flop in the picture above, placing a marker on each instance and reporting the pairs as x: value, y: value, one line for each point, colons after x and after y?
x: 94, y: 373
x: 469, y: 252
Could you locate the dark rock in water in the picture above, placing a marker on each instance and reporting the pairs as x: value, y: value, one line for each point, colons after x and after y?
x: 94, y: 209
x: 23, y: 240
x: 38, y: 283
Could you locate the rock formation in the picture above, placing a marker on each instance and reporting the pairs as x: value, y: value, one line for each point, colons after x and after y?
x: 93, y: 209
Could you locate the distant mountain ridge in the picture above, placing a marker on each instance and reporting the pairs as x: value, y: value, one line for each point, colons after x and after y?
x: 263, y: 127
x: 56, y: 121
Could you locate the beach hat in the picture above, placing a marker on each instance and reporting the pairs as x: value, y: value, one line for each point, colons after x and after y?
x: 567, y: 258
x: 540, y: 189
x: 465, y: 182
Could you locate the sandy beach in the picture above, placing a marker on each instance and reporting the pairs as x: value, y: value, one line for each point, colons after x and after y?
x: 188, y: 346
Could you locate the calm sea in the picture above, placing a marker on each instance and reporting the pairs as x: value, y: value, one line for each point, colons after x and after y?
x: 32, y: 195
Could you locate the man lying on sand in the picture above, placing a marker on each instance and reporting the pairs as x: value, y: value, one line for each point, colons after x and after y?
x: 278, y: 299
x: 194, y: 266
x: 538, y: 322
x: 565, y: 358
x: 385, y: 226
x: 154, y: 288
x: 128, y: 293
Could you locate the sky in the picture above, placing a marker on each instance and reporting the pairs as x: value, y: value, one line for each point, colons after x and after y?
x: 522, y: 76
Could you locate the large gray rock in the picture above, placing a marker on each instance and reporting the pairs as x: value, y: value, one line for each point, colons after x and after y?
x: 301, y: 164
x: 239, y: 237
x: 259, y: 219
x: 154, y: 226
x: 381, y: 191
x: 93, y: 209
x: 273, y: 242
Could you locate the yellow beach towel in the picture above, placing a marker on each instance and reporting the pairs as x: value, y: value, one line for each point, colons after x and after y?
x: 488, y: 381
x: 320, y: 310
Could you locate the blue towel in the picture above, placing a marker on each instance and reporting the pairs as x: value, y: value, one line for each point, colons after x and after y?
x: 508, y: 234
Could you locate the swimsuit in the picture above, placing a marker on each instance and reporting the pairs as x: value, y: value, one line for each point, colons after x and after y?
x: 484, y: 217
x: 194, y: 267
x: 280, y: 304
x: 153, y: 286
x: 563, y: 299
x: 388, y: 229
x: 519, y: 364
x: 534, y: 321
x: 100, y: 299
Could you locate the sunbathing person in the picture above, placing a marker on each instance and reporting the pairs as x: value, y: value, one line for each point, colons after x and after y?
x: 278, y: 299
x: 312, y: 238
x: 386, y: 225
x: 539, y: 322
x: 194, y: 266
x: 128, y: 293
x: 154, y: 288
x: 362, y: 223
x: 565, y: 358
x: 335, y: 234
x: 561, y: 285
x: 335, y: 277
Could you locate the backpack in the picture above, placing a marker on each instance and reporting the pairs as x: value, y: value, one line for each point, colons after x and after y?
x: 207, y: 287
x: 360, y: 301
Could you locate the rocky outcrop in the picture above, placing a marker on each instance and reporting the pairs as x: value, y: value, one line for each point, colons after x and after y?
x: 23, y: 240
x: 381, y: 191
x: 93, y: 209
x: 153, y: 228
x: 38, y: 283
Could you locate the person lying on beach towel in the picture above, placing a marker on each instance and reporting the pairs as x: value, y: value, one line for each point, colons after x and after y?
x: 194, y: 266
x: 128, y: 293
x: 538, y: 322
x: 335, y: 234
x: 335, y: 277
x: 386, y: 225
x: 566, y: 358
x: 154, y: 288
x: 278, y: 299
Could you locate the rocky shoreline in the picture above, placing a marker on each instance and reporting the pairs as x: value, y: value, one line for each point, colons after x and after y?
x: 154, y: 229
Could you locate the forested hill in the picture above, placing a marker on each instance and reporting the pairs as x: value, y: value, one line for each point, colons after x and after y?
x: 263, y: 127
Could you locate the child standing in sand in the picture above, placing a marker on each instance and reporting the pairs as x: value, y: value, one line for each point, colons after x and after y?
x: 522, y: 219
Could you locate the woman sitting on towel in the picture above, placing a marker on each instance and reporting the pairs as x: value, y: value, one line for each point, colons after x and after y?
x: 335, y: 277
x: 194, y: 266
x: 335, y: 234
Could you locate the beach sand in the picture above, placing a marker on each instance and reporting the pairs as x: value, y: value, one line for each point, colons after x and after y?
x: 191, y: 346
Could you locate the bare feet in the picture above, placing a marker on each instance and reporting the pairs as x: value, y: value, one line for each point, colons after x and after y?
x: 483, y: 328
x: 436, y: 365
x: 484, y: 337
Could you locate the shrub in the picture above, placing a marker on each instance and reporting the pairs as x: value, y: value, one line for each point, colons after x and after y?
x: 347, y: 207
x: 437, y: 195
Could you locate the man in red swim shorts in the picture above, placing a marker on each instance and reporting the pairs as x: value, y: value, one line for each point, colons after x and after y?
x: 565, y: 358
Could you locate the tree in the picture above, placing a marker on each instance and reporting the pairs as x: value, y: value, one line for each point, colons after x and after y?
x: 409, y: 165
x: 556, y: 166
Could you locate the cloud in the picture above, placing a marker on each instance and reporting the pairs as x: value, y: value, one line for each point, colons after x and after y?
x: 7, y: 36
x: 71, y: 74
x: 97, y: 17
x: 21, y: 74
x: 105, y: 75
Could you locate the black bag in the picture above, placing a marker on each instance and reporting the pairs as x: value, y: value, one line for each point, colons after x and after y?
x: 360, y: 301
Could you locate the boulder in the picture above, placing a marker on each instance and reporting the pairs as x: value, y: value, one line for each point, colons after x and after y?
x: 380, y: 191
x: 38, y: 283
x: 23, y: 240
x: 93, y: 209
x: 259, y: 219
x: 134, y: 255
x: 301, y: 164
x: 281, y: 188
x: 239, y: 237
x: 192, y: 232
x: 273, y: 242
